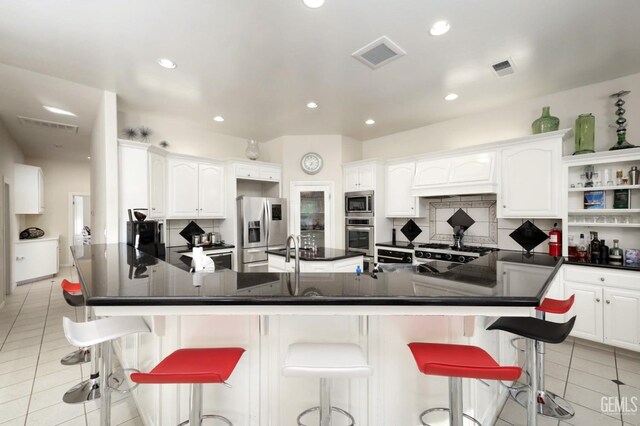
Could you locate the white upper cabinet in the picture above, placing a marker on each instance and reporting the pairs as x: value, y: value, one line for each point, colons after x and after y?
x: 28, y: 189
x: 157, y: 185
x: 211, y: 197
x: 360, y: 177
x: 530, y: 180
x: 456, y: 174
x: 258, y: 171
x: 196, y: 189
x: 400, y: 202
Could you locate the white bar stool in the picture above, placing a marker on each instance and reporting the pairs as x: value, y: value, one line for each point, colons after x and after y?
x: 100, y: 332
x: 326, y: 361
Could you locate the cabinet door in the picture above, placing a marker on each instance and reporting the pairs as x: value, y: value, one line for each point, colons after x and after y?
x: 183, y: 188
x: 366, y: 177
x: 157, y: 185
x: 399, y: 201
x: 588, y: 308
x: 35, y: 259
x: 270, y: 173
x: 432, y: 172
x: 530, y: 181
x: 40, y: 191
x: 472, y: 168
x: 622, y: 318
x: 244, y: 171
x: 211, y: 196
x: 351, y: 179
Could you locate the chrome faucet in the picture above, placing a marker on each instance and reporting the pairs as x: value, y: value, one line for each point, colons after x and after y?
x: 287, y: 258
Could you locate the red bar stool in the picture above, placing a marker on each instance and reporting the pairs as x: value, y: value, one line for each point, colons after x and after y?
x: 195, y: 367
x: 458, y: 362
x: 72, y: 293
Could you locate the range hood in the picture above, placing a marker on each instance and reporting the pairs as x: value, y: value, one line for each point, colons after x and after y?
x: 456, y: 175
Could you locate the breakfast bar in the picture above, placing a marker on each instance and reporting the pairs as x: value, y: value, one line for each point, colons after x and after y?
x: 265, y: 312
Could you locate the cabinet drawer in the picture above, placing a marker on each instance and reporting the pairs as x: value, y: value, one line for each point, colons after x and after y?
x: 269, y: 173
x: 247, y: 171
x: 602, y: 276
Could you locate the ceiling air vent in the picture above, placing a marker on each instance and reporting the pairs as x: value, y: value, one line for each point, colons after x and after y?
x: 44, y: 124
x: 378, y: 53
x: 503, y: 68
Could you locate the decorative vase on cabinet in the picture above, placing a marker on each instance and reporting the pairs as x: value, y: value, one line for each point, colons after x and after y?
x: 585, y: 128
x: 546, y: 122
x: 252, y: 151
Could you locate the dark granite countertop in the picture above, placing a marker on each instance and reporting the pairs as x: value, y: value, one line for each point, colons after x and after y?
x: 321, y: 254
x: 119, y: 275
x: 575, y: 261
x: 398, y: 244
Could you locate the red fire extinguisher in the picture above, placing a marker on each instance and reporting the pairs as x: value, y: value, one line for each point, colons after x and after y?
x: 555, y: 241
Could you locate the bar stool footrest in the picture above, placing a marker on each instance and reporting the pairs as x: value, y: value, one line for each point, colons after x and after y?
x: 87, y: 390
x: 117, y: 381
x: 76, y: 357
x: 549, y: 404
x: 431, y: 410
x: 210, y: 416
x: 336, y: 409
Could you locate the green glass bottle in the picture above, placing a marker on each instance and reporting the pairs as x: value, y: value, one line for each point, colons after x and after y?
x: 585, y: 134
x: 615, y: 254
x: 546, y: 122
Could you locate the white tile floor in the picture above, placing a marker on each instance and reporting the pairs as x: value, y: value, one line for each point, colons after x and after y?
x: 32, y: 380
x: 583, y: 373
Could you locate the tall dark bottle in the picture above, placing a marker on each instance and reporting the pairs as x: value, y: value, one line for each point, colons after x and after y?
x: 594, y: 249
x: 604, y: 253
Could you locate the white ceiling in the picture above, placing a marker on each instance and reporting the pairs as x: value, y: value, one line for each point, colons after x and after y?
x: 258, y: 62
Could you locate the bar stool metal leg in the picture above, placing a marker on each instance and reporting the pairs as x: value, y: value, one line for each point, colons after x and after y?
x: 455, y: 410
x: 532, y: 411
x: 105, y: 368
x: 325, y: 402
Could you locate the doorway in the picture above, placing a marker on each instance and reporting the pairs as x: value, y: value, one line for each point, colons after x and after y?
x: 5, y: 234
x: 79, y: 219
x: 312, y: 211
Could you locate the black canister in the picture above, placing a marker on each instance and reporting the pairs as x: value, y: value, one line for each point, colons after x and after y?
x: 604, y: 253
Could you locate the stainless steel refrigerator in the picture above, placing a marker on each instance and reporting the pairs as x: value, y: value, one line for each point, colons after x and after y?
x: 262, y: 225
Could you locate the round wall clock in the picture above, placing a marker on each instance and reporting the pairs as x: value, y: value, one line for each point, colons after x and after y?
x: 311, y: 163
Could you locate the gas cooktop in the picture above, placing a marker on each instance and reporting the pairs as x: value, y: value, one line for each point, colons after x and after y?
x: 448, y: 253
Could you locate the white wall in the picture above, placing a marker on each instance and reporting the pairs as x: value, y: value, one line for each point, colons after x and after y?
x: 184, y: 137
x: 104, y: 172
x: 60, y: 178
x: 334, y: 149
x: 10, y: 154
x: 514, y: 120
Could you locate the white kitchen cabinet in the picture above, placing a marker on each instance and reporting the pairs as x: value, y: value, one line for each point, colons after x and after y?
x: 195, y: 189
x: 259, y: 171
x: 455, y: 173
x: 157, y: 185
x: 588, y: 308
x: 211, y: 196
x: 360, y: 177
x: 400, y: 202
x: 28, y: 189
x: 622, y: 318
x: 530, y: 180
x: 36, y: 258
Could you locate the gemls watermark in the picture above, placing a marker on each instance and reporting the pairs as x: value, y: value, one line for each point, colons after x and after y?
x: 624, y: 405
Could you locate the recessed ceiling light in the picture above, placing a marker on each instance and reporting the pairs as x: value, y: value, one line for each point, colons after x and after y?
x: 167, y: 63
x: 370, y: 122
x: 88, y: 158
x: 312, y: 105
x: 439, y: 28
x: 58, y: 110
x: 218, y: 118
x: 313, y: 4
x: 451, y: 97
x: 57, y: 145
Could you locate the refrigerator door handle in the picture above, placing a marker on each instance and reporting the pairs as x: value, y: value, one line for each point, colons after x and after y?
x: 266, y: 222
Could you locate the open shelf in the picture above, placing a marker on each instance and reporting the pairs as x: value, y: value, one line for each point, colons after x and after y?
x: 604, y: 188
x: 604, y: 225
x: 590, y: 212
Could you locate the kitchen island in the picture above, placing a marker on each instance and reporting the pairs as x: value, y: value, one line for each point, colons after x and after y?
x: 319, y: 260
x: 381, y: 312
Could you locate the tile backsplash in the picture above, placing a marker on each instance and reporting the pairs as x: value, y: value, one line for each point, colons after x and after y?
x: 174, y: 226
x: 486, y: 231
